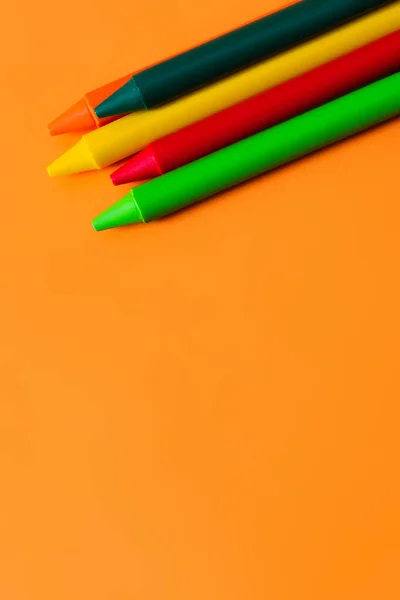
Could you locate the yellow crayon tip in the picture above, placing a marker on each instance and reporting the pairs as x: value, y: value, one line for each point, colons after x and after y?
x: 78, y: 158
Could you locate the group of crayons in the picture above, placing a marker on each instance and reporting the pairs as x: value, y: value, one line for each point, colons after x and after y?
x: 242, y: 104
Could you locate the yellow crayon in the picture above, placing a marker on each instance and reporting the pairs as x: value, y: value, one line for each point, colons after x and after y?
x: 130, y: 134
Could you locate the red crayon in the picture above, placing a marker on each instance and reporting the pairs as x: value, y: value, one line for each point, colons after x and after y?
x: 323, y: 84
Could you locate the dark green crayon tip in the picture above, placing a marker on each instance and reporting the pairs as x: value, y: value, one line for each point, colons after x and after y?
x: 125, y: 100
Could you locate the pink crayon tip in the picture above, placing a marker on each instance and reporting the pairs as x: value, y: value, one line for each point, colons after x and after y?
x: 140, y: 167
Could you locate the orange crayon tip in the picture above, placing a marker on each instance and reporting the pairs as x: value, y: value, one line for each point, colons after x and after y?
x: 77, y: 118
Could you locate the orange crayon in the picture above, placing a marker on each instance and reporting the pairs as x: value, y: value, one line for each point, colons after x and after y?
x: 81, y: 116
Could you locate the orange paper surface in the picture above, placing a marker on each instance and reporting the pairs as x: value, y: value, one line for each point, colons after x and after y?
x: 207, y: 407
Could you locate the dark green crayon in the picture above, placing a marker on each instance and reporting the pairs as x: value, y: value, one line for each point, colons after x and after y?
x: 232, y: 52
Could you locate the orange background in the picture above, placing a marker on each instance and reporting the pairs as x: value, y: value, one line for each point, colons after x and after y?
x: 204, y: 408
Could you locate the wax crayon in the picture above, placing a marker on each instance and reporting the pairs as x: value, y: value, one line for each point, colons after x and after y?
x: 232, y: 52
x: 336, y: 78
x: 81, y: 116
x: 257, y: 154
x: 132, y: 133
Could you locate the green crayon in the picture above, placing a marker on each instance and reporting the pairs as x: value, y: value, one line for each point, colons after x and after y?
x: 262, y: 152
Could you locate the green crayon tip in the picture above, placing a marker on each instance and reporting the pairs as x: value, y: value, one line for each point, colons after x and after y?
x: 123, y: 212
x: 125, y: 100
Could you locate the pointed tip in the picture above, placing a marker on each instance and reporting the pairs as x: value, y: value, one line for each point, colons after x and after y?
x: 76, y: 119
x: 75, y: 160
x: 120, y: 177
x: 123, y: 212
x: 140, y: 167
x: 125, y: 100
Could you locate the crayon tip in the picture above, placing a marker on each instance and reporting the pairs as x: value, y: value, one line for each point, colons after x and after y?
x: 125, y: 100
x: 75, y: 160
x: 139, y: 168
x: 123, y: 212
x: 77, y: 118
